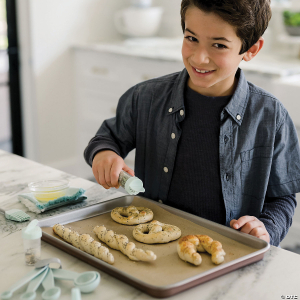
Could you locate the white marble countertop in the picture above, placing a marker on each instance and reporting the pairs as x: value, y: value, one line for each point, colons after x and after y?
x: 268, y: 64
x: 275, y: 276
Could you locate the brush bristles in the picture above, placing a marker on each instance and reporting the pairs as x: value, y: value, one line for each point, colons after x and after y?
x: 17, y: 215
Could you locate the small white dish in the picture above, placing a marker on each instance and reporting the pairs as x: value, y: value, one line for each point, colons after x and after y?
x: 47, y: 190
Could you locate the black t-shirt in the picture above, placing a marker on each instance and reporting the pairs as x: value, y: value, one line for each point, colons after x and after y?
x: 196, y: 185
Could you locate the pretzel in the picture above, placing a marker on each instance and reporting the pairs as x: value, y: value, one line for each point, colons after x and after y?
x: 156, y: 232
x: 84, y: 242
x: 188, y: 246
x: 120, y: 242
x: 132, y: 215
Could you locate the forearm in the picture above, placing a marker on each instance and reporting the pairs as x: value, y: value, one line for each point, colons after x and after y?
x: 277, y: 216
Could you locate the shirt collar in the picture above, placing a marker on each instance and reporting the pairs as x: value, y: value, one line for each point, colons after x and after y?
x: 177, y: 97
x: 235, y: 108
x: 238, y: 102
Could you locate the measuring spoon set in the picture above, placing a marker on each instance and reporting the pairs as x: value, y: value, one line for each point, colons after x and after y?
x: 85, y: 282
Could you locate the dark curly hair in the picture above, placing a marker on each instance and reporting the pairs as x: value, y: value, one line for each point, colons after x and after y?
x: 250, y: 18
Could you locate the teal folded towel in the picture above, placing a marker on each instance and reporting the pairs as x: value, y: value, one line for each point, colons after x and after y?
x: 73, y: 195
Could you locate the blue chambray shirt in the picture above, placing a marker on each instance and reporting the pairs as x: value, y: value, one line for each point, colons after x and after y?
x: 258, y: 144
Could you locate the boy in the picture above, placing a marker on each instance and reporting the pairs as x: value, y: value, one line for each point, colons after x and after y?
x: 207, y: 141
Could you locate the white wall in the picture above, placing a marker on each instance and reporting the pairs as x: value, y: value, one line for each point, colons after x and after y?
x: 47, y: 30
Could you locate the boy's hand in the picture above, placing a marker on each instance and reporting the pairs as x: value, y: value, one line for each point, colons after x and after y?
x: 107, y: 166
x: 251, y: 225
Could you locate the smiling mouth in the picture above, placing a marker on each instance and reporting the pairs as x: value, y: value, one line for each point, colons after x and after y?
x: 202, y: 71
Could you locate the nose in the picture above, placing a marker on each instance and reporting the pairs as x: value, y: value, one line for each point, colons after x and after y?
x: 201, y: 56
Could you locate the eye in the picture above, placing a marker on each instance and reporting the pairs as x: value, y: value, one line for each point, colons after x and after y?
x: 191, y: 38
x: 220, y: 46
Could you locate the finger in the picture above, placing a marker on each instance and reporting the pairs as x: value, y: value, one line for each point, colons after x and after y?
x: 107, y: 174
x: 249, y: 226
x: 242, y: 221
x: 128, y: 170
x: 232, y: 222
x: 114, y: 174
x: 265, y: 237
x: 101, y: 177
x: 258, y: 231
x: 96, y: 174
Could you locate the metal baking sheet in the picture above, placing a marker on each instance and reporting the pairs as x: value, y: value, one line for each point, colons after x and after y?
x: 156, y: 290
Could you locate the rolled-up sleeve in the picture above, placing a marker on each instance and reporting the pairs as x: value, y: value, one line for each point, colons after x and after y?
x: 285, y: 170
x: 118, y: 133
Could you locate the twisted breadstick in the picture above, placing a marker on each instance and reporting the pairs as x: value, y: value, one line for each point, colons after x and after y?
x: 84, y: 242
x: 156, y: 232
x: 120, y: 242
x: 132, y: 215
x: 188, y: 246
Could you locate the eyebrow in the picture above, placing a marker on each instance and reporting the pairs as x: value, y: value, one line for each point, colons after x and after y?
x: 212, y: 38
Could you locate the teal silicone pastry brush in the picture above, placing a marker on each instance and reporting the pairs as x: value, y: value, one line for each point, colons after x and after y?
x: 15, y: 215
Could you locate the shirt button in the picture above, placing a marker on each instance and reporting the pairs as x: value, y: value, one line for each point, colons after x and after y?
x: 170, y: 109
x: 166, y: 170
x: 160, y: 201
x: 227, y: 176
x: 181, y: 112
x: 238, y: 117
x: 173, y: 136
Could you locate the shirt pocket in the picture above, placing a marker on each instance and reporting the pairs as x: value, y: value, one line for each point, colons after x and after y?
x: 255, y: 171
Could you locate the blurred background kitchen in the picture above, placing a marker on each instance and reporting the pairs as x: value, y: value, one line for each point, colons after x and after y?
x: 64, y: 65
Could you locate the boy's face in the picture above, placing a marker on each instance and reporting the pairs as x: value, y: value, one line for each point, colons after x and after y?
x: 201, y: 50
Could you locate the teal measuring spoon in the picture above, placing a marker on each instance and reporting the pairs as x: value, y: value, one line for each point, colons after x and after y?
x: 79, y: 278
x: 86, y: 281
x: 46, y: 262
x: 75, y: 295
x: 88, y: 288
x: 33, y: 285
x: 7, y: 294
x: 51, y: 291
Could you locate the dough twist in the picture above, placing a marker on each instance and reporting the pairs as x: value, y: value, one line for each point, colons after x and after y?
x: 156, y: 232
x: 120, y: 242
x: 84, y: 242
x: 132, y: 215
x: 188, y: 246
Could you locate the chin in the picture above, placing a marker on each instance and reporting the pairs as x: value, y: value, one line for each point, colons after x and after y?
x: 202, y: 85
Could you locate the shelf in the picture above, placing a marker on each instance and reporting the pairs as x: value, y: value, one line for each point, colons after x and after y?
x: 280, y: 6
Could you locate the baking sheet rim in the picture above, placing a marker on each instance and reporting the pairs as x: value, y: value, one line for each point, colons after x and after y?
x: 135, y: 279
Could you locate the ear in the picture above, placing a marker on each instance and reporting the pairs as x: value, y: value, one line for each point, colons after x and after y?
x: 254, y: 49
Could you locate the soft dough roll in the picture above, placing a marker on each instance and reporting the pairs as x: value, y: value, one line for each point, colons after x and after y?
x: 84, y: 242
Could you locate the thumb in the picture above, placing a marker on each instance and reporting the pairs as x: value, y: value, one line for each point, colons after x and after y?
x: 232, y: 222
x: 128, y: 170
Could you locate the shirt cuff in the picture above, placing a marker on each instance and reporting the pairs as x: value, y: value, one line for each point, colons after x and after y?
x: 272, y: 230
x: 92, y: 152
